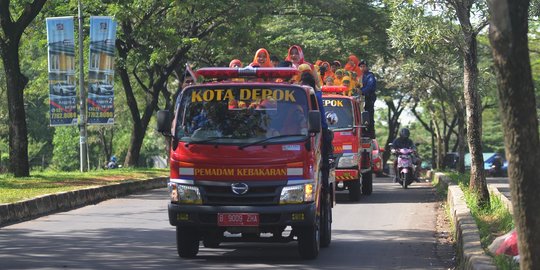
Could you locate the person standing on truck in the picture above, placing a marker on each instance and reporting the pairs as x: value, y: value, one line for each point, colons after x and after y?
x: 261, y: 59
x: 369, y: 84
x: 327, y: 148
x: 296, y: 56
x: 353, y: 64
x: 235, y: 63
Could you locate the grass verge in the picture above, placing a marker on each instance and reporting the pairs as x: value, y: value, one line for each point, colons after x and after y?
x: 47, y: 182
x: 492, y: 221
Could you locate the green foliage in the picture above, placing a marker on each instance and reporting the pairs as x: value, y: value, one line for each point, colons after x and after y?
x: 66, y: 149
x: 505, y: 262
x: 493, y: 220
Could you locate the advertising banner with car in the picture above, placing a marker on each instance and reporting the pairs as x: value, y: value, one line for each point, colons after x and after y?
x: 61, y: 52
x: 100, y: 101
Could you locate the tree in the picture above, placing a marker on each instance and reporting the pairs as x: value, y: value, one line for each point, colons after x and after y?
x: 66, y: 149
x: 10, y: 38
x: 155, y: 37
x: 469, y: 50
x: 508, y: 35
x: 417, y: 29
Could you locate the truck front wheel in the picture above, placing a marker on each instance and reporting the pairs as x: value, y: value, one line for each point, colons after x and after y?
x: 187, y: 241
x: 309, y: 241
x: 354, y: 189
x: 367, y: 183
x: 326, y: 220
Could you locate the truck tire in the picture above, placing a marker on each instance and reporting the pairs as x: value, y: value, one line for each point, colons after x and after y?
x: 355, y: 190
x: 309, y: 239
x: 187, y: 241
x: 367, y: 183
x: 326, y: 221
x: 212, y: 239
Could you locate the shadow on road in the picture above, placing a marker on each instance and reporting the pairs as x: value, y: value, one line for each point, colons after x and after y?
x: 386, y: 191
x: 149, y: 249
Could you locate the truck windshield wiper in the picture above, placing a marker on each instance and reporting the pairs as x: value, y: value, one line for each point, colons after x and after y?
x: 208, y: 139
x: 268, y: 139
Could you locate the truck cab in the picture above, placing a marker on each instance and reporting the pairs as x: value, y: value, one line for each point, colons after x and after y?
x: 245, y: 162
x: 352, y: 150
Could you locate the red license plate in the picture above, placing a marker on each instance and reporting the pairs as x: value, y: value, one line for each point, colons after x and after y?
x: 238, y: 219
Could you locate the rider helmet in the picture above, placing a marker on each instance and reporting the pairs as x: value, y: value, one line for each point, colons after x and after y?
x: 331, y: 118
x: 404, y: 133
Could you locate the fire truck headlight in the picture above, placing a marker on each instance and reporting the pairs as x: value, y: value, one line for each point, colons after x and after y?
x: 297, y: 194
x: 348, y: 161
x: 184, y: 194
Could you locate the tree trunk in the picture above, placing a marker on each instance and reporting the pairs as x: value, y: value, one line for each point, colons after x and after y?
x: 18, y: 134
x: 461, y: 140
x: 10, y: 37
x: 508, y: 35
x: 393, y: 126
x: 474, y: 119
x: 439, y: 145
x: 139, y: 131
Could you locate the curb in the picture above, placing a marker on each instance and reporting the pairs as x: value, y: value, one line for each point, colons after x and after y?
x: 507, y: 203
x: 64, y: 201
x: 469, y: 250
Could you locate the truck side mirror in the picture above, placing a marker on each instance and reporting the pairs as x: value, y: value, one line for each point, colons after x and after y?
x: 365, y: 118
x: 164, y: 122
x: 314, y: 122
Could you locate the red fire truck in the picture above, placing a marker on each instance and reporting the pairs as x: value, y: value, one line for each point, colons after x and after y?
x: 351, y: 150
x: 245, y: 162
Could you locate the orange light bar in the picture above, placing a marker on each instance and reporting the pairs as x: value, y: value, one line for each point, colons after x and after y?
x: 225, y: 73
x: 334, y: 88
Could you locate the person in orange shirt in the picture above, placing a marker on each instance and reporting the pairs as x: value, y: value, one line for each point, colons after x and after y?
x: 325, y: 66
x: 352, y: 65
x: 261, y: 59
x: 347, y: 82
x: 339, y: 77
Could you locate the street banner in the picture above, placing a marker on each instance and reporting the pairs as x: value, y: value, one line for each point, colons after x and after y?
x: 61, y: 52
x: 100, y: 101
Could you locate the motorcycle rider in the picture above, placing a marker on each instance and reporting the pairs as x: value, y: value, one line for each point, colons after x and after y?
x: 403, y: 141
x: 113, y: 163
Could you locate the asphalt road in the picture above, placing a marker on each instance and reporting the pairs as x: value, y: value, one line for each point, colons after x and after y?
x: 391, y: 229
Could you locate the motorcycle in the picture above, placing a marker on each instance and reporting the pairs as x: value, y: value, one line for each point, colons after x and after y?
x: 405, y: 166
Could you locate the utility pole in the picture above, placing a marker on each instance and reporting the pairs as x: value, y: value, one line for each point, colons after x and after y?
x: 82, y: 123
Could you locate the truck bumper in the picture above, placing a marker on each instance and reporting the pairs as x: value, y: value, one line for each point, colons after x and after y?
x: 343, y: 175
x: 269, y: 216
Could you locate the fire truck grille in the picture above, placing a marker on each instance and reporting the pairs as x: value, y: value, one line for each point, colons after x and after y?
x: 221, y: 193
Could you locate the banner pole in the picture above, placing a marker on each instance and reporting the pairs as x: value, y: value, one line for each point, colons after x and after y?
x: 82, y: 123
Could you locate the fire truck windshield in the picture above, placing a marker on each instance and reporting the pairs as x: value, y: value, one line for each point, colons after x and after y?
x: 339, y: 113
x: 240, y: 114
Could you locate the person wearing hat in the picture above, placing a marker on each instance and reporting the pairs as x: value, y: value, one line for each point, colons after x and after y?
x: 369, y: 84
